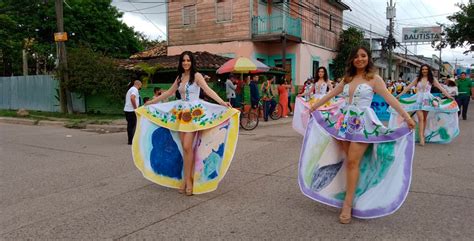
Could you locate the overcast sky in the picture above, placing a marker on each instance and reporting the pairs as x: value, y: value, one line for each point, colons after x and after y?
x: 149, y: 17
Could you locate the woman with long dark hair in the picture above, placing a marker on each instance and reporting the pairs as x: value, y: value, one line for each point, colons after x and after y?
x: 424, y: 102
x: 320, y: 88
x: 188, y: 143
x: 322, y: 83
x: 349, y: 159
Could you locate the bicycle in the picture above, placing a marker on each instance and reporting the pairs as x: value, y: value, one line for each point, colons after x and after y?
x: 248, y: 120
x: 277, y: 112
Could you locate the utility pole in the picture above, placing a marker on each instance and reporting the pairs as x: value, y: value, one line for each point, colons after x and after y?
x: 391, y: 13
x: 64, y: 95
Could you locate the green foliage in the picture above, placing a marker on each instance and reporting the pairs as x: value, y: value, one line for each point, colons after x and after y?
x: 92, y: 23
x: 349, y: 39
x: 149, y: 70
x: 461, y: 33
x: 91, y: 73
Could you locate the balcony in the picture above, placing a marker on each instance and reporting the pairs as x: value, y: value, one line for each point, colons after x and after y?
x: 269, y: 28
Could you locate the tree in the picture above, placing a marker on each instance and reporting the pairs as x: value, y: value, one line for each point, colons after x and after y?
x: 92, y: 73
x: 92, y: 23
x: 149, y: 70
x: 349, y: 39
x: 461, y: 33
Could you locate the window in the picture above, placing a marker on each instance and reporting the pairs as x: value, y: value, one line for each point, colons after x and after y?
x: 330, y: 22
x: 223, y: 10
x: 189, y: 15
x: 315, y: 68
x: 316, y: 17
x: 331, y: 71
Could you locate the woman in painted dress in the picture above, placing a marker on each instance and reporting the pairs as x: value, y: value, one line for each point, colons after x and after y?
x: 437, y: 119
x: 322, y: 85
x: 376, y: 174
x: 188, y: 143
x: 320, y: 88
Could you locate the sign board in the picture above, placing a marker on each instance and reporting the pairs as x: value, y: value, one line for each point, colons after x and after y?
x: 60, y: 37
x: 421, y: 34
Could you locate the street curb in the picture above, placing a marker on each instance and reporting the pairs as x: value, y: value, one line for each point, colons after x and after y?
x: 88, y: 127
x: 21, y: 121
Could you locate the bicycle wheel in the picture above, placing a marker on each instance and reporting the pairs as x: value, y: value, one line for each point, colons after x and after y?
x: 248, y: 121
x: 277, y: 112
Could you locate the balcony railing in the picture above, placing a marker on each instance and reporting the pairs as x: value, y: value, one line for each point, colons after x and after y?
x: 279, y: 24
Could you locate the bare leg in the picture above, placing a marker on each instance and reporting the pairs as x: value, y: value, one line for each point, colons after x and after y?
x: 187, y: 140
x: 355, y: 153
x: 421, y: 127
x: 344, y: 146
x: 425, y: 119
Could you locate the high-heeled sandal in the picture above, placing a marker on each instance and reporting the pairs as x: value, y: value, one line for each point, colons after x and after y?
x: 181, y: 189
x: 345, y: 218
x: 189, y: 191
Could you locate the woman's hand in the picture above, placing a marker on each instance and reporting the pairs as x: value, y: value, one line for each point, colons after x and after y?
x: 411, y: 123
x: 227, y: 104
x: 312, y: 108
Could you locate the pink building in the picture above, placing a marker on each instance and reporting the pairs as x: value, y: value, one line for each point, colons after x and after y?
x: 296, y: 35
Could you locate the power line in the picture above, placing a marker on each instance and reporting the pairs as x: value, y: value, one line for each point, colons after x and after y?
x: 149, y: 20
x: 141, y: 9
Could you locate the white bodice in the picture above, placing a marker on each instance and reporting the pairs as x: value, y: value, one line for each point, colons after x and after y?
x: 321, y: 89
x: 189, y: 92
x: 423, y: 88
x: 362, y: 96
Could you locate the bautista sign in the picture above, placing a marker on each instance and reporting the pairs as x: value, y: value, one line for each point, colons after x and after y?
x: 421, y: 34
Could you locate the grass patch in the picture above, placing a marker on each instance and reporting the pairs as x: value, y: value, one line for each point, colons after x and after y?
x: 40, y: 115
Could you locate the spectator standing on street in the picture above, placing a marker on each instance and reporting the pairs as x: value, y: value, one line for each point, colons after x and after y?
x: 132, y: 101
x: 269, y: 102
x: 466, y: 92
x: 451, y: 87
x: 283, y: 96
x: 254, y: 94
x: 289, y: 83
x: 230, y: 88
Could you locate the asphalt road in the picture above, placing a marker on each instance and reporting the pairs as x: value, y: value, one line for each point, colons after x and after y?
x: 59, y: 183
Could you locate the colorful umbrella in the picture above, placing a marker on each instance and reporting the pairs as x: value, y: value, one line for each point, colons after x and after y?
x: 243, y: 65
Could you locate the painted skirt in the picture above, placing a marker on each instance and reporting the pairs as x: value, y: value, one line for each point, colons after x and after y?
x: 157, y: 150
x: 301, y: 112
x: 385, y: 169
x: 442, y: 123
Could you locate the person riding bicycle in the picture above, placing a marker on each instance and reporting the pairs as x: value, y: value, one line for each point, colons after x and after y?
x: 269, y: 102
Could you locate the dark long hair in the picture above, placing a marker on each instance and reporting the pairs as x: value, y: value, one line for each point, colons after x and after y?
x: 325, y: 77
x: 351, y: 70
x: 193, y: 69
x: 430, y: 74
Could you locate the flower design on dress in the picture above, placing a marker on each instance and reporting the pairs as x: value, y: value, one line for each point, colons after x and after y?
x: 197, y: 112
x: 339, y: 121
x: 355, y: 124
x: 186, y: 116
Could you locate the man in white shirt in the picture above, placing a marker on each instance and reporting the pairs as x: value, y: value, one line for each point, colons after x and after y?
x: 132, y: 101
x: 230, y: 90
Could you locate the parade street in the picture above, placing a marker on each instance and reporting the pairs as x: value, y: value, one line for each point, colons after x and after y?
x: 59, y: 183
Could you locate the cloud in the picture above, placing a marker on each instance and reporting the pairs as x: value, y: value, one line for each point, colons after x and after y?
x: 140, y: 24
